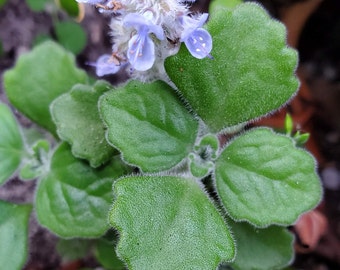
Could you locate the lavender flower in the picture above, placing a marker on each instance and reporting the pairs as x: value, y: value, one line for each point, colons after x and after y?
x: 105, y: 65
x: 197, y: 39
x: 141, y: 49
x: 146, y: 32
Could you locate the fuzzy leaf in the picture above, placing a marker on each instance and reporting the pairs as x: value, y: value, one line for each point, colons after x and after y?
x: 13, y: 235
x: 174, y: 227
x: 149, y: 125
x: 11, y: 144
x: 261, y: 249
x: 77, y: 119
x: 263, y: 178
x: 252, y: 72
x: 73, y: 200
x: 52, y: 72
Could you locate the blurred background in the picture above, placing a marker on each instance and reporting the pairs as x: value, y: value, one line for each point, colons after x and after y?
x: 313, y: 29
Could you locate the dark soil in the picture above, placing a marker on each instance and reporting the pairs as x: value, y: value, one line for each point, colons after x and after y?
x: 319, y: 48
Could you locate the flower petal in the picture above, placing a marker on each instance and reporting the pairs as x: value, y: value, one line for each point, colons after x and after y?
x: 105, y: 66
x: 190, y: 24
x: 199, y: 43
x: 141, y: 52
x: 139, y: 21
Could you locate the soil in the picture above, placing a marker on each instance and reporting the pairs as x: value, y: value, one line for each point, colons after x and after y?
x: 317, y: 104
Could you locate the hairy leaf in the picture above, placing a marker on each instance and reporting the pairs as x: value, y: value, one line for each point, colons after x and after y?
x: 11, y: 144
x: 38, y: 78
x: 77, y: 119
x: 13, y: 235
x: 251, y: 73
x: 73, y: 200
x: 263, y: 178
x: 167, y: 222
x: 149, y: 125
x: 261, y: 249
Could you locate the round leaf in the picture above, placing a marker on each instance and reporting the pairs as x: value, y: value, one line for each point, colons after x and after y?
x: 251, y: 73
x: 149, y: 125
x: 175, y: 226
x: 13, y: 235
x: 261, y: 249
x: 71, y: 35
x: 263, y: 178
x: 77, y: 119
x: 11, y: 144
x: 52, y: 72
x: 73, y: 200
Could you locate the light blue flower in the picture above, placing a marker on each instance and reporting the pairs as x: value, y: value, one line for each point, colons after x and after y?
x: 105, y: 65
x: 141, y: 49
x: 197, y: 39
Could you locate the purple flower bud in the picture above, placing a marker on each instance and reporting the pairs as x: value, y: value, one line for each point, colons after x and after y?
x: 141, y: 49
x: 197, y: 39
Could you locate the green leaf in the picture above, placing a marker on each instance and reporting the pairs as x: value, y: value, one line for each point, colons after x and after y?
x: 36, y: 5
x: 2, y: 3
x: 77, y: 119
x: 168, y: 222
x: 261, y: 249
x: 263, y: 178
x: 41, y: 38
x: 289, y: 124
x: 73, y: 249
x: 37, y: 164
x: 149, y: 125
x: 106, y: 255
x: 71, y: 35
x: 301, y: 139
x: 73, y: 200
x: 217, y: 4
x: 52, y: 72
x: 71, y: 7
x: 252, y: 72
x: 13, y: 235
x: 11, y: 144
